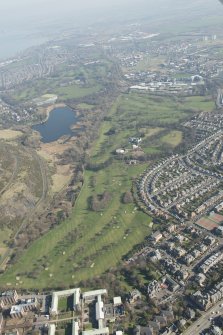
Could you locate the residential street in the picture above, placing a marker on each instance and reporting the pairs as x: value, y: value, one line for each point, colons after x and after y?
x: 204, y: 321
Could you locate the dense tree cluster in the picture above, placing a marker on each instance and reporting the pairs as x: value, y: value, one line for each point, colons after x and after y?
x: 100, y: 202
x: 127, y: 198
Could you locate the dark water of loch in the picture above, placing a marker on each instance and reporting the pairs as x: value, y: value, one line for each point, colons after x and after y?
x: 57, y: 125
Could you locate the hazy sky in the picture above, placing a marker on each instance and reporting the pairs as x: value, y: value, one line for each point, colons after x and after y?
x: 44, y: 17
x: 46, y: 8
x: 24, y: 12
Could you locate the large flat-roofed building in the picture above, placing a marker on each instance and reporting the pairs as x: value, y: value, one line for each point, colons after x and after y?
x: 17, y: 311
x: 78, y: 300
x: 8, y: 298
x: 100, y: 310
x: 173, y: 286
x: 210, y: 262
x: 92, y: 295
x: 117, y: 301
x: 76, y: 292
x: 1, y: 322
x: 156, y: 237
x: 75, y: 328
x: 219, y: 231
x: 100, y: 314
x: 29, y: 304
x: 52, y: 329
x: 101, y: 331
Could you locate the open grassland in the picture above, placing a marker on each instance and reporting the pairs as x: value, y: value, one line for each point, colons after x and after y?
x: 61, y: 178
x: 4, y: 238
x: 73, y: 250
x: 20, y: 186
x: 60, y: 174
x: 91, y: 242
x: 7, y: 159
x: 9, y: 134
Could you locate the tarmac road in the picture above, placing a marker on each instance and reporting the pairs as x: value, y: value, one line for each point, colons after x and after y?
x: 204, y: 321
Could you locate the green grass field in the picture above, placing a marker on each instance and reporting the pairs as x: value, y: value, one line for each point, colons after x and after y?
x: 66, y: 92
x: 89, y: 243
x: 199, y: 103
x: 146, y: 64
x: 74, y: 91
x: 173, y: 138
x: 149, y: 109
x: 73, y: 250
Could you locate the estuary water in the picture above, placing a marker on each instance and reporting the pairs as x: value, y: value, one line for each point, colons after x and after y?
x: 14, y: 42
x: 57, y: 125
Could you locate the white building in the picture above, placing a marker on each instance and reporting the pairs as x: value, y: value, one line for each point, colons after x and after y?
x: 117, y: 301
x: 76, y: 292
x: 52, y: 329
x: 92, y: 295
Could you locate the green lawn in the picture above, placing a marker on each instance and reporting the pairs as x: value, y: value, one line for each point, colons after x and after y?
x: 144, y: 109
x: 65, y: 304
x: 75, y: 91
x: 173, y: 138
x: 148, y: 132
x: 149, y: 63
x: 65, y: 92
x: 199, y: 103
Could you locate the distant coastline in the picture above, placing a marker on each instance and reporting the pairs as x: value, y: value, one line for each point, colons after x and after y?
x: 17, y: 42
